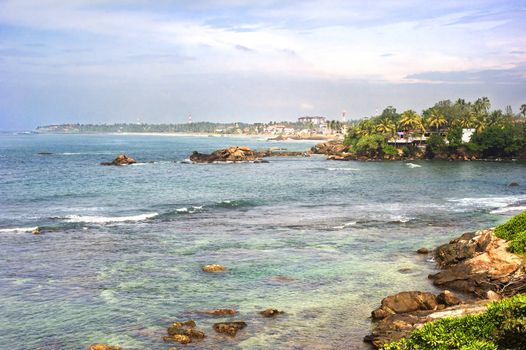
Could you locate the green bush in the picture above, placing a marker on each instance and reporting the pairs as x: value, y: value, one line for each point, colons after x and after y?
x: 518, y: 244
x: 501, y: 326
x: 390, y: 150
x: 435, y: 145
x: 515, y: 225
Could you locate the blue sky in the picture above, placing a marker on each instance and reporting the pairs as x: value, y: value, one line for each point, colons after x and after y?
x: 225, y: 60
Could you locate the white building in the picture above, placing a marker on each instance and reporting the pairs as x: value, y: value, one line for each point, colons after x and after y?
x: 466, y: 135
x: 316, y: 120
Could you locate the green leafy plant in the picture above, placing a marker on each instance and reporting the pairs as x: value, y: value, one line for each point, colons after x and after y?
x: 509, y: 229
x: 518, y: 244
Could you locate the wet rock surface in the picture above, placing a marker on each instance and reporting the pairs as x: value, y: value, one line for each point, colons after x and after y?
x: 220, y: 312
x: 230, y: 328
x: 100, y: 346
x: 213, y: 268
x: 271, y: 313
x: 121, y: 159
x: 329, y: 148
x: 183, y: 332
x: 242, y: 154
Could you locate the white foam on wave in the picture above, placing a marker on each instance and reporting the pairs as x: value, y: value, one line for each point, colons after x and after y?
x: 182, y: 210
x: 489, y: 202
x: 108, y: 219
x: 413, y: 165
x: 400, y: 218
x: 509, y: 209
x: 347, y: 224
x: 343, y: 169
x: 18, y: 229
x: 193, y: 209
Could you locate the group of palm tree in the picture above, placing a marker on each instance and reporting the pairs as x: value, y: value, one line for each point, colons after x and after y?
x: 440, y: 118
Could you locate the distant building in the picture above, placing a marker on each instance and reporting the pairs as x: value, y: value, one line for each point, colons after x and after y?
x: 316, y: 120
x: 466, y: 135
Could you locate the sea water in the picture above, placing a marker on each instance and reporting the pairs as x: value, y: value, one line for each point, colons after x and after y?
x: 121, y: 251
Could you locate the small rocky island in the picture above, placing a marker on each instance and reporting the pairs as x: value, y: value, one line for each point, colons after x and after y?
x: 240, y: 154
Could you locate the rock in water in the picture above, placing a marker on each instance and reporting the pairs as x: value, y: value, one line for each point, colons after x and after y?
x: 230, y: 328
x: 213, y: 268
x: 423, y: 250
x: 183, y: 332
x: 513, y: 184
x: 270, y: 313
x: 99, y: 346
x: 221, y: 312
x: 36, y: 231
x: 121, y: 159
x: 231, y: 154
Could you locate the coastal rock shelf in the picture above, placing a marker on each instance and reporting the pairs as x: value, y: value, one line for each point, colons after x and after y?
x: 121, y: 159
x: 477, y: 264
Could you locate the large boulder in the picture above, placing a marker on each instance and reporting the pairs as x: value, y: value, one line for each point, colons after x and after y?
x: 477, y: 263
x: 329, y: 148
x: 183, y: 332
x: 405, y: 302
x: 121, y: 159
x: 230, y: 328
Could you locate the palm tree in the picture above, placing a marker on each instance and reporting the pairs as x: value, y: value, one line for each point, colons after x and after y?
x: 412, y: 120
x: 436, y: 119
x: 386, y: 126
x: 523, y: 109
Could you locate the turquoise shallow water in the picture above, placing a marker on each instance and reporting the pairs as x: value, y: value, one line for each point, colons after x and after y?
x: 122, y: 249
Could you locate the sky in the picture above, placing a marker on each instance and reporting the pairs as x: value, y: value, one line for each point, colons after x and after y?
x: 102, y: 61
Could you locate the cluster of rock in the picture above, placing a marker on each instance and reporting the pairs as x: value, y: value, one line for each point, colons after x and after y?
x: 330, y: 148
x: 402, y: 313
x: 477, y: 264
x: 240, y: 154
x: 121, y: 159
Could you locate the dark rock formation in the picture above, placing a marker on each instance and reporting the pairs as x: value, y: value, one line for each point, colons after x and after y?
x: 230, y: 328
x: 513, y: 184
x: 423, y: 251
x: 121, y: 159
x: 183, y: 332
x: 231, y: 154
x: 448, y: 298
x: 270, y: 313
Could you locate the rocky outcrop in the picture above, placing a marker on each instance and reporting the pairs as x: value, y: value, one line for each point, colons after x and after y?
x: 121, y: 159
x: 477, y: 263
x: 230, y: 328
x: 405, y: 302
x: 183, y: 332
x: 231, y: 154
x: 329, y: 148
x: 220, y: 312
x: 400, y: 325
x: 100, y: 346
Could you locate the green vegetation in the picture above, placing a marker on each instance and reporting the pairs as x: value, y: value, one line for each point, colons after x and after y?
x: 438, y: 131
x: 518, y: 244
x: 501, y: 326
x: 512, y: 227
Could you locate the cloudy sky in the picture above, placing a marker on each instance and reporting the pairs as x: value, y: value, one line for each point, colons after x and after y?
x: 226, y: 60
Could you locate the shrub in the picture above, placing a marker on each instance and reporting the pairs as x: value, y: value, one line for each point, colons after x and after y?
x: 390, y: 150
x: 515, y: 225
x: 501, y: 326
x: 435, y: 145
x: 518, y: 244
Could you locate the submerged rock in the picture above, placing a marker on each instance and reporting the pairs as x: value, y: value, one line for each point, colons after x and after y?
x: 100, y: 346
x: 230, y: 328
x: 121, y: 159
x: 513, y: 184
x: 271, y: 313
x: 423, y: 250
x: 220, y: 312
x: 36, y: 231
x: 213, y: 268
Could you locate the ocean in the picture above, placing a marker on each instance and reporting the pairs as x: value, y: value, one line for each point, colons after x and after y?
x: 120, y: 254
